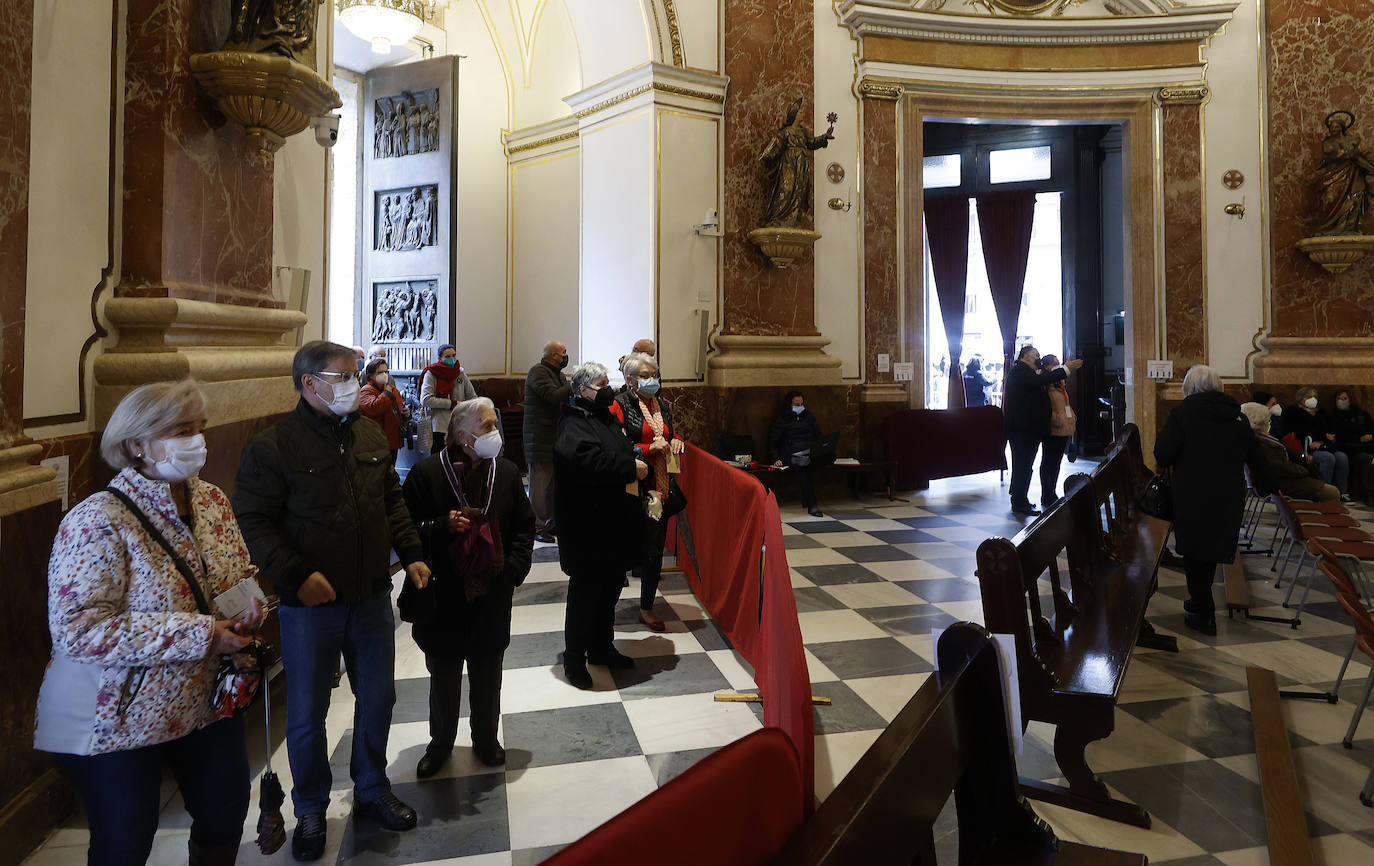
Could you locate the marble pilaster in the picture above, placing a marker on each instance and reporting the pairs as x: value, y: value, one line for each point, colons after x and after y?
x: 1185, y: 264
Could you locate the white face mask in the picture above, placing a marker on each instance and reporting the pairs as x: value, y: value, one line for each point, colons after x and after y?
x: 183, y: 457
x: 1343, y: 405
x: 381, y: 379
x: 345, y: 393
x: 1310, y: 403
x: 797, y: 410
x: 1276, y: 410
x: 488, y: 445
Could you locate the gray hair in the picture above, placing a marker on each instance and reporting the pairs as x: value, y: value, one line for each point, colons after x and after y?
x: 634, y: 363
x: 315, y: 356
x: 1301, y: 394
x: 468, y: 411
x: 550, y: 348
x: 583, y: 375
x: 1257, y: 415
x: 1200, y: 378
x: 145, y: 413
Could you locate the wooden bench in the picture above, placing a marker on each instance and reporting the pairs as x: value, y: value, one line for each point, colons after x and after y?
x: 1071, y: 661
x: 1284, y: 817
x: 951, y: 736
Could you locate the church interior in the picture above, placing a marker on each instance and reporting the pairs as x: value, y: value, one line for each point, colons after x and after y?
x: 864, y: 202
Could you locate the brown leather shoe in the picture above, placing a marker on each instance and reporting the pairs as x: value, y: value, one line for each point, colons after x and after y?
x: 653, y: 622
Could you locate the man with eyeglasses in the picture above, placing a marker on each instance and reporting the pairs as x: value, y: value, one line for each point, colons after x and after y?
x: 321, y: 510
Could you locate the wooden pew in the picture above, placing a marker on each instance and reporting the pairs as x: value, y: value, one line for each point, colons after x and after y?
x: 1071, y: 665
x: 951, y: 736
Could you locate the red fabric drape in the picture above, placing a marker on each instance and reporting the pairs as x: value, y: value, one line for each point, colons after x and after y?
x: 1005, y: 220
x: 947, y: 234
x: 732, y: 551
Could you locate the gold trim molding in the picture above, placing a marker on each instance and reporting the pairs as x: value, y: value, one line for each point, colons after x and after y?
x: 1194, y: 94
x: 674, y: 34
x: 543, y: 142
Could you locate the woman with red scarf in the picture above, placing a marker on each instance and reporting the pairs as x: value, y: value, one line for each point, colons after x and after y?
x: 442, y: 384
x: 380, y: 401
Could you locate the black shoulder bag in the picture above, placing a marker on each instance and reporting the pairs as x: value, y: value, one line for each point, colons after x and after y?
x: 1158, y: 498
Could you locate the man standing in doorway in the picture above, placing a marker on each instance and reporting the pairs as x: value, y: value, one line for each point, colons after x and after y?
x: 321, y: 509
x: 1026, y: 419
x: 546, y: 393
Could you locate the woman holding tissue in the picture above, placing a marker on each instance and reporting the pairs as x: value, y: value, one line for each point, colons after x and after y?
x: 648, y: 424
x: 136, y: 646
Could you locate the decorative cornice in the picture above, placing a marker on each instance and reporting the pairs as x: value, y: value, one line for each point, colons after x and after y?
x: 614, y: 100
x: 655, y: 78
x: 886, y: 18
x: 542, y: 142
x: 870, y: 89
x: 1187, y: 95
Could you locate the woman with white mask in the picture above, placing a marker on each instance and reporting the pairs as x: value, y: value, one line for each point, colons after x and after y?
x: 477, y: 528
x: 136, y: 644
x: 1315, y: 435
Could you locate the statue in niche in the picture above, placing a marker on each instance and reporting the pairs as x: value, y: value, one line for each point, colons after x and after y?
x: 405, y: 312
x: 1343, y: 178
x: 407, y: 218
x: 405, y: 124
x: 285, y: 27
x: 788, y: 158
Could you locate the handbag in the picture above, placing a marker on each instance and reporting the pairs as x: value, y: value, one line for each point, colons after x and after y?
x: 1158, y: 498
x: 240, y: 674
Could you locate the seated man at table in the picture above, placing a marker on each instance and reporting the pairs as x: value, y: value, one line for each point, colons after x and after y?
x: 791, y: 436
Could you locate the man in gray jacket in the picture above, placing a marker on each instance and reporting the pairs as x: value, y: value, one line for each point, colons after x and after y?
x: 321, y: 509
x: 546, y: 393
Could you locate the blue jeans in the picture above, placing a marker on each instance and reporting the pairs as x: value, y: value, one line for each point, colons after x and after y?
x: 311, y: 639
x: 1334, y: 468
x: 122, y: 791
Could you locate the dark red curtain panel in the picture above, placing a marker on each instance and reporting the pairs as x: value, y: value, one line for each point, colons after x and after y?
x: 947, y: 233
x: 1004, y: 223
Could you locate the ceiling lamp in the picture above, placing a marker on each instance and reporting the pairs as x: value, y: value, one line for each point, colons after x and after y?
x: 384, y: 23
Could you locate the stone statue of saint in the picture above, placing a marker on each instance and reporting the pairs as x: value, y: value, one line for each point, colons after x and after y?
x: 1343, y: 178
x: 285, y: 27
x: 788, y: 157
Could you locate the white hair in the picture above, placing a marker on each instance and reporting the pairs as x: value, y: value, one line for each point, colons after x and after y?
x: 1200, y: 378
x: 145, y: 413
x: 550, y: 348
x: 635, y: 362
x: 466, y: 413
x: 583, y: 375
x: 1257, y: 415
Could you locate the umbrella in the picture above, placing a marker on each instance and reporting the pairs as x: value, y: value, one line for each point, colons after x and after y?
x: 271, y: 825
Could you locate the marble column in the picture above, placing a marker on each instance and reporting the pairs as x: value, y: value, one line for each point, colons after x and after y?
x: 768, y: 330
x: 1185, y: 265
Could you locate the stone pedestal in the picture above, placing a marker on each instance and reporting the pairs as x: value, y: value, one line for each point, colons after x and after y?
x: 1315, y: 361
x: 744, y: 360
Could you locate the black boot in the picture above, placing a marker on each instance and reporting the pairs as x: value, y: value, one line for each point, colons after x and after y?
x: 575, y: 670
x: 208, y: 854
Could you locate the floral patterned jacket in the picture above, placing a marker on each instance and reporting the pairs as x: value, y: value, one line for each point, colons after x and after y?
x: 132, y: 661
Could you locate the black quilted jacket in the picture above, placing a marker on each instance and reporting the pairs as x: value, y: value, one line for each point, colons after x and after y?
x: 320, y: 494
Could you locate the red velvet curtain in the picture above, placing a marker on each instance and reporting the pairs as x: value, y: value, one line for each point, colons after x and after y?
x: 947, y: 234
x: 1004, y: 224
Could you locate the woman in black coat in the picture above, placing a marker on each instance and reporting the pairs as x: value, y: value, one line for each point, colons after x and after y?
x: 472, y: 609
x: 1207, y: 442
x: 791, y: 433
x: 593, y: 463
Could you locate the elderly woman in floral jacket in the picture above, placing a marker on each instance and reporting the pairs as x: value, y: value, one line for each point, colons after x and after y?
x: 134, y: 659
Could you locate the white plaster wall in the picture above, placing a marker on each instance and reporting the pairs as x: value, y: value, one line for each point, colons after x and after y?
x: 544, y: 257
x: 69, y: 188
x: 689, y: 265
x: 839, y: 289
x: 699, y: 25
x: 552, y: 67
x: 480, y: 278
x: 614, y: 37
x: 299, y: 214
x: 1236, y: 249
x: 617, y: 243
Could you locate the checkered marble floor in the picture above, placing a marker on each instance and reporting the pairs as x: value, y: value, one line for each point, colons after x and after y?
x: 871, y: 579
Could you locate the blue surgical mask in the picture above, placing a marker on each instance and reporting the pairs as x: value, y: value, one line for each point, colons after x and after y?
x: 797, y: 410
x: 648, y: 387
x: 449, y: 362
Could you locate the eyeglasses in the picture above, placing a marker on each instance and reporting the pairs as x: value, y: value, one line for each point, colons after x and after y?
x: 331, y: 376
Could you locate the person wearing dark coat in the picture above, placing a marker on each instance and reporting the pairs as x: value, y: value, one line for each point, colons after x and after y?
x: 593, y: 465
x: 546, y: 393
x: 1026, y: 418
x: 791, y: 436
x: 472, y: 611
x: 975, y: 384
x: 1207, y: 442
x: 1306, y: 421
x: 1274, y: 467
x: 1354, y: 431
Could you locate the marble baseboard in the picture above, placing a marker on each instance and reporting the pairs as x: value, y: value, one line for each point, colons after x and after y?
x: 747, y: 360
x: 1315, y: 361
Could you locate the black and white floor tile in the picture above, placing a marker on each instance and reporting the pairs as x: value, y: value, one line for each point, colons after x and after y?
x: 872, y: 579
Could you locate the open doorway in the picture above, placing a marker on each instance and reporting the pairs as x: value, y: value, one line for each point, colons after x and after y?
x: 1066, y: 181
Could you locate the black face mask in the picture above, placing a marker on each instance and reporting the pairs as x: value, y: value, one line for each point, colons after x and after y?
x: 563, y: 364
x: 604, y: 397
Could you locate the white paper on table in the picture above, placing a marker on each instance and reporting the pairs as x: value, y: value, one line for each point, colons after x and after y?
x: 234, y: 602
x: 1011, y: 691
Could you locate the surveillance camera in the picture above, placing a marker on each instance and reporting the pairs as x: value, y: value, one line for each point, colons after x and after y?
x: 326, y: 129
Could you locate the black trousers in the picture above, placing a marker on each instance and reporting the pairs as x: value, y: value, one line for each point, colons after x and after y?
x: 446, y: 701
x: 806, y: 479
x: 651, y: 569
x: 588, y: 624
x: 1051, y: 458
x: 1023, y: 448
x: 121, y: 791
x: 1200, y: 575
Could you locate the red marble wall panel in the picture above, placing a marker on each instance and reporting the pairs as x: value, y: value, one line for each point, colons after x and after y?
x: 1185, y: 264
x: 1319, y: 56
x: 882, y: 283
x: 198, y: 195
x: 768, y: 56
x: 16, y: 82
